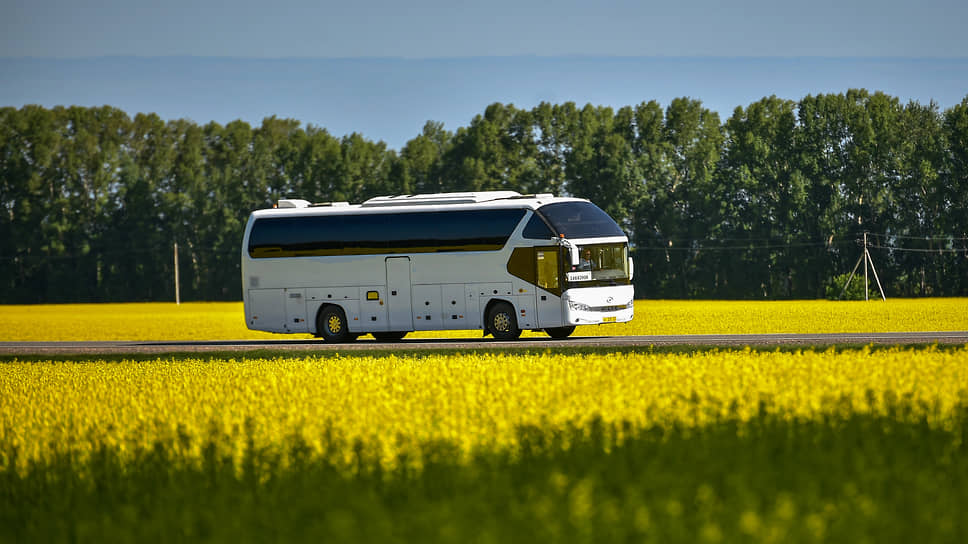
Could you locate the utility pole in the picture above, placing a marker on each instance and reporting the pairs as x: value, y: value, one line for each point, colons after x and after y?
x: 177, y: 293
x: 866, y: 257
x: 866, y: 281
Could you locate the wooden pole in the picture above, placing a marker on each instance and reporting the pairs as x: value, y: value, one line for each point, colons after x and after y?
x: 177, y: 293
x: 866, y: 281
x: 867, y: 255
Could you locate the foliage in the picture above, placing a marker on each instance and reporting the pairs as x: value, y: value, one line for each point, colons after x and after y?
x: 689, y: 446
x: 224, y: 320
x: 766, y: 204
x: 854, y: 291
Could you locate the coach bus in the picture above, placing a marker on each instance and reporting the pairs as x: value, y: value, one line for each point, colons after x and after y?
x: 496, y: 261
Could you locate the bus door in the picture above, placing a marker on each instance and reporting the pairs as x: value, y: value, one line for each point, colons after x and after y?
x: 398, y: 294
x: 549, y: 287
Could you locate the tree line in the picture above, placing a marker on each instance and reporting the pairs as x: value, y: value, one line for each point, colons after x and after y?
x: 770, y: 203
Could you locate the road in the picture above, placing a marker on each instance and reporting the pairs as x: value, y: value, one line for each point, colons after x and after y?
x: 726, y: 340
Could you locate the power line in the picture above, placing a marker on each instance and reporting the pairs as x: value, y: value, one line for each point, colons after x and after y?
x: 940, y: 237
x: 914, y: 250
x: 881, y: 241
x: 741, y: 247
x: 113, y: 253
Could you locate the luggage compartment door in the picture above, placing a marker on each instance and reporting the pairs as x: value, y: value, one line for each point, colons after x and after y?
x: 267, y: 310
x: 296, y: 310
x: 399, y: 308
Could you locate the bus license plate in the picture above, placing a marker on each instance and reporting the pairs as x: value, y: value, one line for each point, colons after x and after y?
x: 609, y: 319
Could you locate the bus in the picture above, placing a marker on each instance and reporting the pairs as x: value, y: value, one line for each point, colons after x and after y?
x: 495, y: 261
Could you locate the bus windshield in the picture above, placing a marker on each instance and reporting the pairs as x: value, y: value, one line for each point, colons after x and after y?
x: 580, y: 220
x: 601, y: 263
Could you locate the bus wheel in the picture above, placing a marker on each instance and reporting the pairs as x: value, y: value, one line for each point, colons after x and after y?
x: 502, y: 323
x: 331, y: 325
x: 389, y: 336
x: 559, y: 333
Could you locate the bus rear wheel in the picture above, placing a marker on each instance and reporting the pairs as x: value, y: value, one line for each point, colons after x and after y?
x: 559, y: 333
x: 332, y: 327
x: 502, y: 323
x: 389, y: 336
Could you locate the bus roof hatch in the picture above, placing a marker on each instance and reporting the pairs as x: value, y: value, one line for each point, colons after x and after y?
x: 440, y: 198
x: 293, y: 203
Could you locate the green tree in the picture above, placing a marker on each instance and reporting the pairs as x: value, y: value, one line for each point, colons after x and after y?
x: 554, y: 127
x: 678, y: 203
x: 601, y: 165
x: 954, y: 193
x: 851, y: 148
x: 822, y: 141
x: 916, y: 202
x: 497, y: 152
x: 758, y: 193
x: 769, y: 204
x: 29, y: 238
x: 85, y: 189
x: 421, y: 162
x: 365, y: 169
x: 317, y: 166
x: 274, y: 162
x: 137, y: 255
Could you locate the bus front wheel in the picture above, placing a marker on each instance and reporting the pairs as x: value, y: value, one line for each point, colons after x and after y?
x: 559, y: 333
x: 331, y: 325
x: 502, y: 323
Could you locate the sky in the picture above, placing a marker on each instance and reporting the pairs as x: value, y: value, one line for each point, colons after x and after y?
x: 385, y: 67
x: 460, y: 28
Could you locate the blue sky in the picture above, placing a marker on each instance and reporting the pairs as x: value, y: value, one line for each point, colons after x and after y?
x: 449, y: 28
x: 383, y: 68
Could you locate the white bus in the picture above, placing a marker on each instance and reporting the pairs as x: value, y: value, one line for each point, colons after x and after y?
x: 496, y: 261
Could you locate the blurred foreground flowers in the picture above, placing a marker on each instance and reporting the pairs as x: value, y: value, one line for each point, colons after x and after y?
x: 387, y: 407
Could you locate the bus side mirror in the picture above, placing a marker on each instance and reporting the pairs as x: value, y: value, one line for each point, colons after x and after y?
x: 572, y: 250
x: 631, y: 269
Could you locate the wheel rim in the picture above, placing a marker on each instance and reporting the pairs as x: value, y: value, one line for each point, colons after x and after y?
x: 502, y: 322
x: 334, y: 324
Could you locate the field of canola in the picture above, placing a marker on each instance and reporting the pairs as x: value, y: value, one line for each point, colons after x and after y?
x: 571, y: 445
x: 584, y: 446
x: 392, y: 404
x: 225, y: 321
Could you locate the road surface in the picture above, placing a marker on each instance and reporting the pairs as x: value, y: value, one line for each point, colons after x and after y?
x: 726, y: 340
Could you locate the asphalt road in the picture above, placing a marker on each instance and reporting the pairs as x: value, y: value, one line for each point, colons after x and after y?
x: 726, y: 340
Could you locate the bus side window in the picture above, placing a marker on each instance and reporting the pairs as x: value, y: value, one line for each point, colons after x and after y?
x: 536, y: 229
x: 547, y: 268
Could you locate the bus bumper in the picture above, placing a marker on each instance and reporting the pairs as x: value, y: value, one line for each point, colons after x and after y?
x: 598, y: 305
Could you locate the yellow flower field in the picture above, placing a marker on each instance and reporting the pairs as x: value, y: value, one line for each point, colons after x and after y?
x: 224, y: 321
x: 571, y: 445
x: 474, y: 401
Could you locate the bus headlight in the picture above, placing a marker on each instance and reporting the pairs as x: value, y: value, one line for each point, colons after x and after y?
x: 578, y: 306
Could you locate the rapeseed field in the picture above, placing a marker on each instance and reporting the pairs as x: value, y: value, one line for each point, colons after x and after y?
x: 391, y: 404
x: 577, y: 445
x: 566, y: 445
x: 225, y: 321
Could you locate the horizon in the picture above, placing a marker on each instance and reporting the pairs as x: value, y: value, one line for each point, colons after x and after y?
x: 390, y: 99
